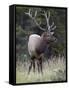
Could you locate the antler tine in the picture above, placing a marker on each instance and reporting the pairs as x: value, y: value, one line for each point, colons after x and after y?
x: 49, y: 29
x: 33, y: 18
x: 52, y: 25
x: 45, y: 14
x: 49, y: 15
x: 29, y: 13
x: 53, y: 28
x: 35, y: 13
x: 47, y: 19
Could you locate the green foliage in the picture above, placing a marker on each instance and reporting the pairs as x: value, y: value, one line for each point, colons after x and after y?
x: 20, y: 31
x: 25, y: 26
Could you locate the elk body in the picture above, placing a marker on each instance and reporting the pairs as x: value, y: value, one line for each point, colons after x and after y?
x: 37, y: 44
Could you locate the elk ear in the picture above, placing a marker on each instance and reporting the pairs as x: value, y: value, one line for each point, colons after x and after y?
x: 52, y: 33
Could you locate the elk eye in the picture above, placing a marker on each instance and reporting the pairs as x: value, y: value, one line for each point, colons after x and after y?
x: 48, y: 35
x: 44, y: 35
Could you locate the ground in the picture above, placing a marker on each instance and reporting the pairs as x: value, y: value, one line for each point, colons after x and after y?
x: 53, y: 70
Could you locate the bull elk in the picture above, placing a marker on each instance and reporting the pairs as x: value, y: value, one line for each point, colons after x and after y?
x: 37, y: 43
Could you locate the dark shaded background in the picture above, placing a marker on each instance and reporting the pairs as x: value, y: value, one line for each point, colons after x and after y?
x: 25, y: 26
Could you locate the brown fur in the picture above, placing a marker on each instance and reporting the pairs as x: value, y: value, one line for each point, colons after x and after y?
x: 46, y: 38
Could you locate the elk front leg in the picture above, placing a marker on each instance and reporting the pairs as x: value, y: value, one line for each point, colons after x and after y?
x: 30, y: 67
x: 33, y: 65
x: 40, y: 65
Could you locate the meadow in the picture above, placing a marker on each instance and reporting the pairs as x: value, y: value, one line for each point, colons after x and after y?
x: 54, y: 69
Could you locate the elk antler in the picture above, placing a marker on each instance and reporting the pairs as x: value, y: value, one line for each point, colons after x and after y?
x: 33, y: 18
x: 47, y: 17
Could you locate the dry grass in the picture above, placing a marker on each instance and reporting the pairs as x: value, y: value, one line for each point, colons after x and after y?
x: 55, y: 70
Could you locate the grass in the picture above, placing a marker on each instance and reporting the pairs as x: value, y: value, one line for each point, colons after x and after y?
x: 54, y: 70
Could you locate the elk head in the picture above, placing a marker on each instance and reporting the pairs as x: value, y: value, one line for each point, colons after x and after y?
x: 48, y: 35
